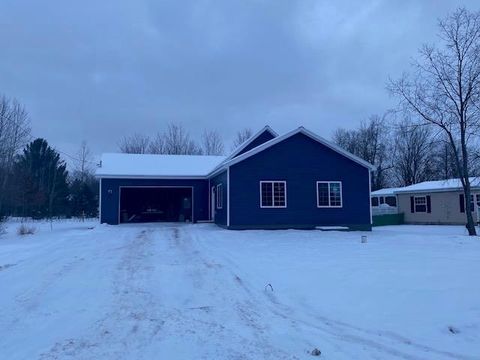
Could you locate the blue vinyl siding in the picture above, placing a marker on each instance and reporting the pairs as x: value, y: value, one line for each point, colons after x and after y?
x: 220, y: 214
x: 111, y: 201
x: 301, y: 162
x: 262, y: 138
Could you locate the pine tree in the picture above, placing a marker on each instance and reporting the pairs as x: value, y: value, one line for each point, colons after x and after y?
x: 41, y: 188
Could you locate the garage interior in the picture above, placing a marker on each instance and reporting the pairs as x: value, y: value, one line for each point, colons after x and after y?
x: 156, y: 204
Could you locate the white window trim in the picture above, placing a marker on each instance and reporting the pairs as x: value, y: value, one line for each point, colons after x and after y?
x: 474, y: 199
x: 341, y: 194
x: 219, y: 196
x: 273, y: 200
x: 415, y: 203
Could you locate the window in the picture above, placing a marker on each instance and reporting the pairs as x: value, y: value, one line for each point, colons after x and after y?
x: 329, y: 194
x: 273, y: 194
x: 420, y: 204
x: 472, y: 201
x: 375, y: 201
x: 219, y: 196
x: 391, y: 200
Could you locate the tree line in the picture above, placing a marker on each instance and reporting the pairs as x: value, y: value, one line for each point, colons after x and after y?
x: 403, y: 151
x: 176, y: 140
x: 34, y: 180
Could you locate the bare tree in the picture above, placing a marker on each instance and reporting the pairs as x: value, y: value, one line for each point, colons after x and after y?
x: 84, y: 164
x: 157, y: 145
x: 242, y: 136
x: 14, y: 134
x: 445, y: 90
x: 369, y: 142
x: 134, y: 144
x: 413, y: 159
x: 177, y: 141
x: 212, y: 143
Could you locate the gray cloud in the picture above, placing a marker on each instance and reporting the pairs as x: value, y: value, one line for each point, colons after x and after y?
x: 98, y: 70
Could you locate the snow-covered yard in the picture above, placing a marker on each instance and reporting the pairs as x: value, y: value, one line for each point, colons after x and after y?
x: 86, y: 291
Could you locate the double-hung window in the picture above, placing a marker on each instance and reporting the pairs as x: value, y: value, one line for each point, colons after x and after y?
x: 219, y: 196
x: 273, y: 194
x: 420, y: 204
x: 329, y: 194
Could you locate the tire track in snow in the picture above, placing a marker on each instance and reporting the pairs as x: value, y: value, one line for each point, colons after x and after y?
x: 131, y: 322
x: 385, y: 343
x: 215, y: 323
x: 30, y: 300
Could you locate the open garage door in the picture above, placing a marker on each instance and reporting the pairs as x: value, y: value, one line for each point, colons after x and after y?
x: 156, y: 204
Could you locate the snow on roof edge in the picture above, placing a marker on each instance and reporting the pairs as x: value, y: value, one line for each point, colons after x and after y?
x: 150, y: 165
x: 438, y: 186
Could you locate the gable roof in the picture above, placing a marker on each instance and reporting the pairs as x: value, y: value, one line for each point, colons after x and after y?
x: 278, y: 139
x: 438, y: 186
x: 119, y: 165
x: 251, y: 139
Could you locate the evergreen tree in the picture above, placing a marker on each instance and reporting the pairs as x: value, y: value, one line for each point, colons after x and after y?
x: 84, y: 197
x: 41, y: 189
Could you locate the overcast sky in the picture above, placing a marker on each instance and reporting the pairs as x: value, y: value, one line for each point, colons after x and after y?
x: 99, y: 70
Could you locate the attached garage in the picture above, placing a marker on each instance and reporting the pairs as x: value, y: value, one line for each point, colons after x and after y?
x: 143, y: 188
x: 156, y: 204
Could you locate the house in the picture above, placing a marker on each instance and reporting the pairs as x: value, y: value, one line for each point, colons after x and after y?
x: 431, y: 202
x: 296, y: 180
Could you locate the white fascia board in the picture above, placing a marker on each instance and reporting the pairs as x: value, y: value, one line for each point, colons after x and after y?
x: 170, y: 177
x: 426, y: 191
x: 250, y: 140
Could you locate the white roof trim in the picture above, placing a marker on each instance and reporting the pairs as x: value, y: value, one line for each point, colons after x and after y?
x: 435, y: 186
x: 279, y: 139
x: 250, y: 140
x: 447, y: 189
x: 384, y: 192
x: 169, y: 177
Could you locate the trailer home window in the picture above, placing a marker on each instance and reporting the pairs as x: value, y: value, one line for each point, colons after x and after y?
x: 420, y: 204
x: 391, y: 200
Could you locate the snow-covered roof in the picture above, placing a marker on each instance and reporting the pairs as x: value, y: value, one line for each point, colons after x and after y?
x: 147, y: 165
x: 386, y: 191
x: 438, y: 186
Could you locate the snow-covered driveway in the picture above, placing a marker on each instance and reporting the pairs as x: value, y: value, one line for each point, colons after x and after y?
x: 199, y: 292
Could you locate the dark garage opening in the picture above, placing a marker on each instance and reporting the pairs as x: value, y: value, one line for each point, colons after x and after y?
x: 155, y: 204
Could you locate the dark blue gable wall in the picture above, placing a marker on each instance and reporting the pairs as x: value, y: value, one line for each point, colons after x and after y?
x: 262, y: 138
x: 110, y: 200
x: 300, y: 161
x: 220, y: 214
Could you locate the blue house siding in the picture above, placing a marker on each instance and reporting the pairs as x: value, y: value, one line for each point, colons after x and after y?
x: 110, y: 196
x: 220, y: 214
x: 262, y: 138
x: 301, y: 162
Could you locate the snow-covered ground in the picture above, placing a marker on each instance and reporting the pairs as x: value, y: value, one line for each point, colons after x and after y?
x: 88, y: 291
